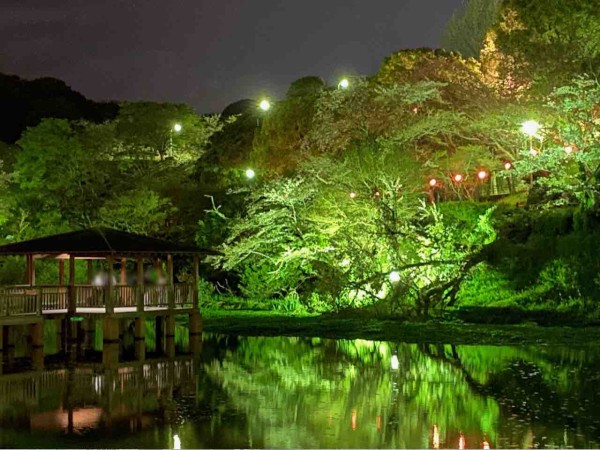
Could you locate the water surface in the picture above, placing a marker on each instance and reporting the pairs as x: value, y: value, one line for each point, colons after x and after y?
x: 282, y: 392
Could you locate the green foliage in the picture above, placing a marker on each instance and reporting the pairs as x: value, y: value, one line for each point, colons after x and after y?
x: 553, y: 40
x: 466, y: 29
x: 142, y: 212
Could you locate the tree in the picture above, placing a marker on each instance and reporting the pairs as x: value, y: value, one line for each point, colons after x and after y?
x: 148, y: 129
x: 279, y: 144
x: 551, y: 40
x: 565, y: 167
x: 466, y: 29
x: 139, y: 211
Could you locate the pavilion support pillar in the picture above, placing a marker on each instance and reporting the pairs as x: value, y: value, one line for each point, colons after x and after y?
x: 140, y: 338
x: 8, y: 349
x: 30, y: 270
x: 72, y: 306
x: 90, y: 333
x: 61, y: 272
x: 36, y: 332
x: 123, y: 279
x: 110, y: 308
x: 110, y: 344
x: 139, y: 292
x: 170, y: 283
x: 195, y: 280
x: 170, y: 341
x: 195, y: 338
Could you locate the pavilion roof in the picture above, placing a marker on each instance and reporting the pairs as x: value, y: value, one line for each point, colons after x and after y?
x: 98, y: 242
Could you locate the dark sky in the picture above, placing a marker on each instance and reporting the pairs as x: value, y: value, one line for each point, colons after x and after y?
x: 208, y: 53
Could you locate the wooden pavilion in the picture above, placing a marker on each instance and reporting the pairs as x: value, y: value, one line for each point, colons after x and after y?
x: 102, y: 296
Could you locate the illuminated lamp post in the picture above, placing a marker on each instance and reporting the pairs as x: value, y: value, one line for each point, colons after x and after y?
x: 434, y: 192
x: 531, y: 129
x: 177, y: 129
x: 482, y: 175
x: 508, y: 166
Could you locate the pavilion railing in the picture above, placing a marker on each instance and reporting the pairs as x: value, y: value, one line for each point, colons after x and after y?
x: 19, y: 301
x: 36, y: 300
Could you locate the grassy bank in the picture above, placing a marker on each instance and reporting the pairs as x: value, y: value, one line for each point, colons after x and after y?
x: 266, y: 323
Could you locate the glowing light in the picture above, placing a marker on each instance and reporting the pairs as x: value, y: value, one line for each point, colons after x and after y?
x: 395, y: 363
x: 530, y: 128
x: 568, y: 149
x: 352, y: 194
x: 265, y: 105
x: 533, y: 151
x: 436, y: 437
x: 250, y: 174
x: 433, y: 182
x: 508, y: 165
x: 176, y: 442
x: 344, y: 83
x: 458, y: 178
x: 394, y: 277
x: 177, y: 127
x: 461, y: 442
x: 482, y: 175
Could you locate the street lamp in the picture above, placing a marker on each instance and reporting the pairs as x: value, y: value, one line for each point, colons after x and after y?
x: 264, y: 105
x: 250, y: 174
x: 344, y: 83
x: 176, y: 128
x: 530, y: 128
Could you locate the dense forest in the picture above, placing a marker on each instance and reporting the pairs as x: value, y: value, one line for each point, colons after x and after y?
x: 460, y: 178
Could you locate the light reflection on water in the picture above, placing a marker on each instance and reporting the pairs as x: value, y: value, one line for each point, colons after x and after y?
x: 312, y: 393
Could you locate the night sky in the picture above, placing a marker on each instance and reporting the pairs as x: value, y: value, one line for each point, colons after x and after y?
x: 208, y: 53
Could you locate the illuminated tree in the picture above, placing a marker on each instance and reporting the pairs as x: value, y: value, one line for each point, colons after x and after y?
x: 466, y: 29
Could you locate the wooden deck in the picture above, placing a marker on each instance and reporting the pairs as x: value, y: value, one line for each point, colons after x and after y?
x: 31, y: 303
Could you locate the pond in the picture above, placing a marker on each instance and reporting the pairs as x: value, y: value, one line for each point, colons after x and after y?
x: 282, y: 392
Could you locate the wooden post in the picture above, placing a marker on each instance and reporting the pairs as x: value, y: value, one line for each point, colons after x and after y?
x: 140, y: 338
x: 71, y: 290
x: 195, y: 280
x: 123, y: 280
x: 61, y: 272
x: 110, y: 344
x: 28, y: 275
x: 110, y: 307
x: 32, y: 270
x: 170, y: 341
x: 140, y: 284
x: 170, y: 284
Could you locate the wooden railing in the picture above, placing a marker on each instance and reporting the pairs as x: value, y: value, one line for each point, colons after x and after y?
x: 156, y: 296
x: 17, y: 301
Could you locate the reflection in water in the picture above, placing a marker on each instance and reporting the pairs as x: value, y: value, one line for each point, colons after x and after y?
x: 292, y: 392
